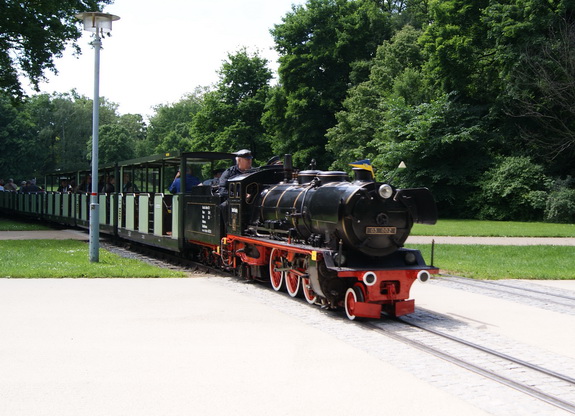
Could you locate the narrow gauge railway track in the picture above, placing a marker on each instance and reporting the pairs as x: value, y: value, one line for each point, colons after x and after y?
x: 524, y: 292
x: 159, y: 257
x: 517, y: 374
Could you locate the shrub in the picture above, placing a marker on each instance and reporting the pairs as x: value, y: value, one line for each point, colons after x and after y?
x: 560, y: 205
x: 514, y: 189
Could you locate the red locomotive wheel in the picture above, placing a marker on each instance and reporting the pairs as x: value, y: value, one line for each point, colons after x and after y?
x: 352, y: 296
x: 276, y: 277
x: 308, y: 292
x: 293, y: 284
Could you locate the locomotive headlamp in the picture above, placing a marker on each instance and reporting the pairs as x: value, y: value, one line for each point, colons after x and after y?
x: 339, y: 259
x: 423, y: 276
x: 369, y: 278
x: 410, y: 258
x: 385, y: 191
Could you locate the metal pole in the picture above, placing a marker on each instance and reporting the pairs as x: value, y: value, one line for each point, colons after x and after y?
x: 94, y: 206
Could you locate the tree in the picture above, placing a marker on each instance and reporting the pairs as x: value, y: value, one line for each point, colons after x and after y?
x: 172, y: 120
x: 536, y: 54
x: 319, y: 46
x: 17, y: 141
x: 135, y: 124
x: 460, y: 55
x: 513, y: 60
x: 72, y: 124
x: 394, y: 73
x: 514, y: 189
x: 231, y: 115
x: 414, y: 13
x: 41, y: 112
x: 62, y: 125
x: 114, y: 144
x: 32, y: 34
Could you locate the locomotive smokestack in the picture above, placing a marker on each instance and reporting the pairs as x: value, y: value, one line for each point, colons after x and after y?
x: 288, y: 168
x: 362, y: 175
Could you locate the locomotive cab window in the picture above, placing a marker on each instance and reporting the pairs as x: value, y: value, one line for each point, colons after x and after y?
x: 251, y: 191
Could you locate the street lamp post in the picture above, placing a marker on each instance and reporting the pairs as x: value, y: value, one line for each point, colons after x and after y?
x: 98, y: 23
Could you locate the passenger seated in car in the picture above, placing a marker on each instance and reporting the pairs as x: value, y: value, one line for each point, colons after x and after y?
x: 191, y: 180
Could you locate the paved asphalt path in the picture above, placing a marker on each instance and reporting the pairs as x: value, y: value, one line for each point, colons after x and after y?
x: 185, y: 347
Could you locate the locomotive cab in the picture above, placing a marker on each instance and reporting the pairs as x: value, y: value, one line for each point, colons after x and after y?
x: 244, y: 193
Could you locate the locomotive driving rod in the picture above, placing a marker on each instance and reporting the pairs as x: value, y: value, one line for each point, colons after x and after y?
x: 289, y: 269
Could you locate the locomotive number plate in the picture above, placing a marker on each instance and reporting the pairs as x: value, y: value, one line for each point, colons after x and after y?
x: 380, y: 230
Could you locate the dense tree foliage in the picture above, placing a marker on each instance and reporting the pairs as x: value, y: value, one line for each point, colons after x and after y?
x: 475, y: 97
x: 114, y: 143
x: 536, y: 56
x: 48, y: 132
x: 32, y: 33
x: 231, y: 115
x: 319, y: 43
x: 513, y: 188
x: 169, y: 128
x: 17, y: 140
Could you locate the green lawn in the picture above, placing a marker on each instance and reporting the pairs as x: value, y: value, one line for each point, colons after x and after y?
x: 500, y: 262
x: 503, y: 262
x: 8, y: 224
x: 478, y: 228
x: 69, y: 258
x: 46, y: 258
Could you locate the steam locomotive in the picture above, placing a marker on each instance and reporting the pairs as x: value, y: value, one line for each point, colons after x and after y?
x: 336, y: 241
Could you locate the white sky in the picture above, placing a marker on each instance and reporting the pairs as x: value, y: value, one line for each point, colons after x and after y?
x: 161, y: 50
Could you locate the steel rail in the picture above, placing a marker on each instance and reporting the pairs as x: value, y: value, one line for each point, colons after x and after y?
x: 533, y: 392
x: 471, y: 282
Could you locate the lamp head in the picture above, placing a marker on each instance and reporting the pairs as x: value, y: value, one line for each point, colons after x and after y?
x: 97, y: 21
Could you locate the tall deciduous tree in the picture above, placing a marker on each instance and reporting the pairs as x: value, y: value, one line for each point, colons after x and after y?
x: 169, y: 128
x: 230, y: 118
x: 17, y: 141
x: 536, y: 55
x: 395, y: 72
x: 395, y: 116
x: 114, y: 144
x: 62, y: 125
x: 32, y: 33
x: 318, y: 44
x: 460, y: 54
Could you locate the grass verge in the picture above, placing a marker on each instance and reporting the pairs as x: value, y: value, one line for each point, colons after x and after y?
x: 503, y: 262
x: 7, y: 224
x: 476, y: 228
x: 69, y: 258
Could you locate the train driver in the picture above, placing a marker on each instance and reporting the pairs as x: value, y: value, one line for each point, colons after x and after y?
x: 243, y: 164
